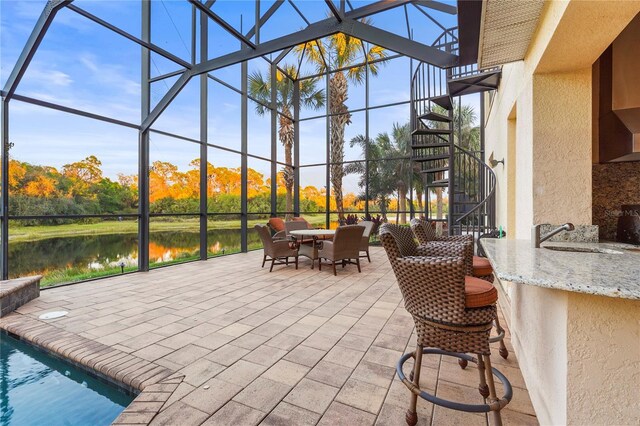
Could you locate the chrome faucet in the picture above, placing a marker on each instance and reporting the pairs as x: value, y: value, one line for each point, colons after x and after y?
x: 536, y: 239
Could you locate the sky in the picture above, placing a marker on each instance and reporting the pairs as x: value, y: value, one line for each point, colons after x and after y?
x: 83, y: 65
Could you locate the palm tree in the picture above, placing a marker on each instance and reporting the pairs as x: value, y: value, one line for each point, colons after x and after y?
x: 380, y: 180
x: 341, y: 51
x: 310, y: 96
x: 384, y: 180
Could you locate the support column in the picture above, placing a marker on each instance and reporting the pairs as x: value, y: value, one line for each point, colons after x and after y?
x: 296, y: 147
x: 274, y: 142
x: 143, y: 144
x: 204, y: 134
x: 243, y: 149
x: 366, y: 137
x: 4, y: 185
x: 328, y: 165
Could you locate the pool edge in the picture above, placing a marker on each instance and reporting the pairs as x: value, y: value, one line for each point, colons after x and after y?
x: 153, y: 383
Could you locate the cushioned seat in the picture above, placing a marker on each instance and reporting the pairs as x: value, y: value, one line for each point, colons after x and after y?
x: 277, y: 224
x: 481, y: 266
x: 479, y: 293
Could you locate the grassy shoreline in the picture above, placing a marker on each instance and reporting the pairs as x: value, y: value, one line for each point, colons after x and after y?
x: 19, y: 234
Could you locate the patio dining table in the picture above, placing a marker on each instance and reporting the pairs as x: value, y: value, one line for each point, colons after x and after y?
x: 310, y: 251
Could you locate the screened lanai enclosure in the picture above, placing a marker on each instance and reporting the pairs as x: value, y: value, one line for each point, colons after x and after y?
x: 138, y: 134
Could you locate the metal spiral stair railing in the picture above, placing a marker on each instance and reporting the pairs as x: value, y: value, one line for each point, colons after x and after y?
x: 470, y: 182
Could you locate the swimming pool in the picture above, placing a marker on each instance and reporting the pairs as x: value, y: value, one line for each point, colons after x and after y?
x: 38, y: 389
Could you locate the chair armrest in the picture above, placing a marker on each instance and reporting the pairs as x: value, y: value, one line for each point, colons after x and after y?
x: 279, y: 244
x: 325, y: 247
x: 455, y: 238
x: 280, y: 235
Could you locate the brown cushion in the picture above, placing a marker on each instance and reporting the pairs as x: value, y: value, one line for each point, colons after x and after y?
x: 276, y: 224
x: 481, y: 266
x: 479, y: 293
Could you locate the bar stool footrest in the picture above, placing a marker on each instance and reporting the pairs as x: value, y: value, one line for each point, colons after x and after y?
x: 471, y: 408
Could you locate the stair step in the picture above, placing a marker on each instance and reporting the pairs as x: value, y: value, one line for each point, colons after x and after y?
x: 434, y: 116
x: 431, y: 157
x: 430, y: 145
x: 436, y: 170
x: 474, y: 83
x: 444, y: 101
x: 417, y: 132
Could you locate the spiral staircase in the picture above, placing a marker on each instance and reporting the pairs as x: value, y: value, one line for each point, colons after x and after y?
x: 455, y: 172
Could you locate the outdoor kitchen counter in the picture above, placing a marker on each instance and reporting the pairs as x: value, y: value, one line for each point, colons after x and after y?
x: 574, y: 322
x: 605, y: 269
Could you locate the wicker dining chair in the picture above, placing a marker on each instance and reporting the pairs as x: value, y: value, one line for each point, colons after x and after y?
x: 477, y: 267
x: 364, y: 245
x: 279, y: 251
x: 449, y: 321
x: 344, y: 248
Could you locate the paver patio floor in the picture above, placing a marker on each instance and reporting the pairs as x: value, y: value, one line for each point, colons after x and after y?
x: 282, y: 348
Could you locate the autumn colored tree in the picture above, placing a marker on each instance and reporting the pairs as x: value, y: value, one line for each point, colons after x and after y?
x: 82, y: 174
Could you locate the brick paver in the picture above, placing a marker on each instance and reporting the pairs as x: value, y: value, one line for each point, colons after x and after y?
x: 226, y: 341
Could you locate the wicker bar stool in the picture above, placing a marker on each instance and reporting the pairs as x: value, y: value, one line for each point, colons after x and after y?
x: 449, y: 321
x: 477, y: 267
x: 425, y: 233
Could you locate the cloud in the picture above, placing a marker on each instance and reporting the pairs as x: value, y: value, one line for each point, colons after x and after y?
x: 50, y: 77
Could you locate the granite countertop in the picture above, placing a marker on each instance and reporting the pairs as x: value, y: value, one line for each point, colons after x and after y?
x: 605, y: 269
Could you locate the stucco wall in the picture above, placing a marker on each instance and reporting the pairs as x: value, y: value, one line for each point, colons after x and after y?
x: 603, y: 341
x: 538, y: 334
x: 514, y: 91
x: 551, y: 90
x: 562, y: 147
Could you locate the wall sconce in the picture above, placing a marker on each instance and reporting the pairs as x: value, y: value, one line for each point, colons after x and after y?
x: 493, y: 162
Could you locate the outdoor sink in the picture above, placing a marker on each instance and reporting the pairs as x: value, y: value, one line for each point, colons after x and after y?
x: 583, y: 249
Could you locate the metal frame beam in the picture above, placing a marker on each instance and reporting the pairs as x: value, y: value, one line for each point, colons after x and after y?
x: 296, y: 147
x: 224, y: 24
x: 244, y: 110
x: 400, y: 44
x: 274, y: 142
x: 374, y: 8
x: 156, y: 49
x: 263, y: 20
x: 4, y: 185
x: 29, y: 50
x: 143, y: 142
x: 204, y: 137
x: 436, y: 5
x: 334, y: 10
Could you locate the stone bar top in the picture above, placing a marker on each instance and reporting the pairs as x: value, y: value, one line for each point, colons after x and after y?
x: 604, y: 269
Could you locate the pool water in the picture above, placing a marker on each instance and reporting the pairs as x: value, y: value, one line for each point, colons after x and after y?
x: 38, y: 389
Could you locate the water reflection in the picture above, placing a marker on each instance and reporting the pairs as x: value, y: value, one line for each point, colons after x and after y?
x: 80, y: 255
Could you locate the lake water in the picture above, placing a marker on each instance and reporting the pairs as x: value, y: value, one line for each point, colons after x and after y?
x: 38, y: 389
x: 96, y: 253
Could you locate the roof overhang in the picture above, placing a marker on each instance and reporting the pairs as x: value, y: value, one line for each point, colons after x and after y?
x: 506, y: 30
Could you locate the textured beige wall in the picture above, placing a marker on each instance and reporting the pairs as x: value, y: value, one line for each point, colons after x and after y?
x: 603, y: 341
x: 514, y: 92
x: 562, y: 147
x: 538, y: 334
x: 551, y: 90
x: 579, y: 354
